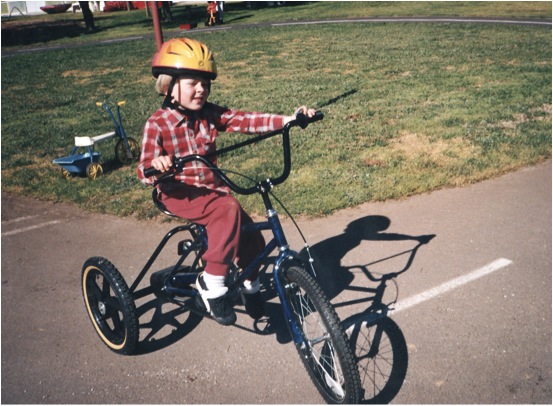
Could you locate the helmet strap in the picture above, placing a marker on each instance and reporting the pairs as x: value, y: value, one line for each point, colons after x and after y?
x: 168, y: 101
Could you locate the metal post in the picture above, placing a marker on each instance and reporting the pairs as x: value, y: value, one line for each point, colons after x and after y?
x: 157, y: 26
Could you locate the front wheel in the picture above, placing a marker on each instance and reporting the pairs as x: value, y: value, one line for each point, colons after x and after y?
x: 324, y: 350
x: 94, y: 170
x: 110, y: 305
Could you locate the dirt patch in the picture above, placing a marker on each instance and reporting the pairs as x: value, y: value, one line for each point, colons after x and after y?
x: 414, y: 146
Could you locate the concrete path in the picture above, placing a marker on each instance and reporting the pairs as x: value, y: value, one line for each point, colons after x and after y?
x: 474, y: 303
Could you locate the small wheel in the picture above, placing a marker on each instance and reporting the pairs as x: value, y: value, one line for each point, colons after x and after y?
x: 126, y: 156
x: 65, y: 173
x: 381, y: 353
x: 325, y: 349
x: 94, y: 170
x: 110, y: 305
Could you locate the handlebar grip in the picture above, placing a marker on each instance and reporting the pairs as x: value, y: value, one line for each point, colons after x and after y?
x: 303, y: 121
x: 319, y: 115
x: 151, y: 171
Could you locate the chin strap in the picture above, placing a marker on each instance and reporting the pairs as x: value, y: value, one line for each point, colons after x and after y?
x: 168, y: 101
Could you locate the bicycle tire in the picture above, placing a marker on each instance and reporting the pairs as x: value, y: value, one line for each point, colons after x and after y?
x: 110, y: 305
x: 381, y: 354
x: 328, y: 356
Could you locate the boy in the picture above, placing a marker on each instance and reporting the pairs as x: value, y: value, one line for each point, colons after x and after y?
x: 188, y: 124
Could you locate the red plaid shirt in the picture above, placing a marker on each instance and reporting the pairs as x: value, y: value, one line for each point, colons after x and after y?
x: 171, y: 132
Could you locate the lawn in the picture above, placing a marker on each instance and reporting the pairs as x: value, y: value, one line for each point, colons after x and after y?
x: 409, y: 107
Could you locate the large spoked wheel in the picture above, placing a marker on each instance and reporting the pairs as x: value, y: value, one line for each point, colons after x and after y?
x: 126, y: 155
x: 325, y: 352
x: 110, y: 305
x: 381, y: 353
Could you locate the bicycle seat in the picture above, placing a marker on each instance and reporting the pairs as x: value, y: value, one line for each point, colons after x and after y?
x: 159, y: 204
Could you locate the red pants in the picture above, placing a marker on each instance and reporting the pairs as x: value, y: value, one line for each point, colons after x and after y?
x: 221, y: 215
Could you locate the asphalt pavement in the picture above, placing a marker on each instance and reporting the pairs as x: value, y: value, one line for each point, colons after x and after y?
x: 473, y: 302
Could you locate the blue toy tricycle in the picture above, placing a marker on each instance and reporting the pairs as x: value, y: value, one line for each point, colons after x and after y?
x: 87, y: 162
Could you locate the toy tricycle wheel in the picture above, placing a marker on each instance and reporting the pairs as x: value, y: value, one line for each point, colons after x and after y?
x: 94, y: 170
x: 110, y: 305
x: 65, y: 173
x: 122, y: 153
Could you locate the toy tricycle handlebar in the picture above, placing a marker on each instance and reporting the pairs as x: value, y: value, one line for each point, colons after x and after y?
x: 301, y: 121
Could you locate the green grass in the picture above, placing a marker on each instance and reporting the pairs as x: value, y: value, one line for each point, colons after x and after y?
x: 422, y: 106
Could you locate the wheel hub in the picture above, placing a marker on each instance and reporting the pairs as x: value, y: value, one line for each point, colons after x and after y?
x: 102, y: 308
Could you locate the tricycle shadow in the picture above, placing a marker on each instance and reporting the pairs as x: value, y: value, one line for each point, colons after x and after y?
x: 379, y: 344
x: 164, y: 328
x: 163, y: 323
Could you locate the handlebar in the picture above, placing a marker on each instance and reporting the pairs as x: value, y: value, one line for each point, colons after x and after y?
x: 301, y: 121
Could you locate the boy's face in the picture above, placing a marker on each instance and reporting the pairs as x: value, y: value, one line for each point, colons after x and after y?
x: 191, y: 92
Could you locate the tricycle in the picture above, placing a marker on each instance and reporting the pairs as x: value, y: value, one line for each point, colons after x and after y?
x: 83, y: 158
x: 312, y: 321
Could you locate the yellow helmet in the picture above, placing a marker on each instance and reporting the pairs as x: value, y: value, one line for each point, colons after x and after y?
x: 180, y: 56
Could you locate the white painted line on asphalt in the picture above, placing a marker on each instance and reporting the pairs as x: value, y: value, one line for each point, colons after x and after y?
x: 18, y: 219
x: 22, y: 230
x: 452, y: 284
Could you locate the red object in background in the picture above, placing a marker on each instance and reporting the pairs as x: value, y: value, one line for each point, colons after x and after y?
x: 55, y: 9
x: 118, y: 5
x: 138, y: 5
x: 188, y: 26
x: 141, y: 5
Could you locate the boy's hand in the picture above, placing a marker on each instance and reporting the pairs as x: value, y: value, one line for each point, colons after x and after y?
x: 303, y: 109
x: 162, y: 163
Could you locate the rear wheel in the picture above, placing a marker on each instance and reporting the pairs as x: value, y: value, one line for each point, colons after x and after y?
x: 325, y: 350
x: 126, y: 156
x: 110, y: 305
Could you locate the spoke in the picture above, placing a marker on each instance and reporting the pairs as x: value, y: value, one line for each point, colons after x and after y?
x: 112, y: 306
x: 94, y: 289
x: 105, y: 288
x: 329, y: 367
